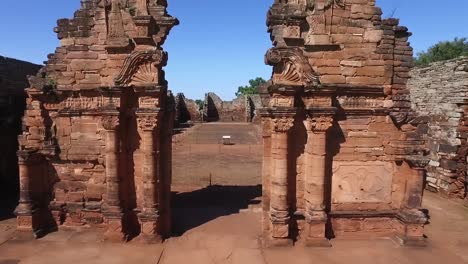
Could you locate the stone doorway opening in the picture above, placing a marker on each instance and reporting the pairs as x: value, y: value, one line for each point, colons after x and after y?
x: 212, y: 179
x: 11, y: 109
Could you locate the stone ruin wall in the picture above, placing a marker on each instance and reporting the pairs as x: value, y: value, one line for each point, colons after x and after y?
x: 217, y: 110
x: 439, y: 95
x: 187, y: 110
x: 13, y: 81
x: 96, y: 142
x: 242, y: 109
x: 342, y: 156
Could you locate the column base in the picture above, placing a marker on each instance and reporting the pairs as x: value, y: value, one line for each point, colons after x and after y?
x: 149, y: 229
x: 316, y: 229
x: 411, y: 228
x: 410, y: 241
x: 114, y: 231
x: 28, y: 221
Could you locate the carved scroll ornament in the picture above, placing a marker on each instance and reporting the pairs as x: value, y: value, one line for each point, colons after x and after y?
x: 141, y: 68
x: 291, y: 67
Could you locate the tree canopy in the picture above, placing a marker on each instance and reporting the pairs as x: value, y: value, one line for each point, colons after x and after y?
x: 444, y: 50
x: 252, y: 88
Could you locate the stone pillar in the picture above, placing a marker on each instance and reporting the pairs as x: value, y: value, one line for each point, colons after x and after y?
x: 27, y: 214
x: 266, y: 171
x: 411, y: 217
x: 279, y: 204
x: 149, y: 215
x: 315, y: 168
x: 112, y: 208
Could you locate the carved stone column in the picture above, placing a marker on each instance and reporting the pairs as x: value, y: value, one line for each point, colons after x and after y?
x: 315, y: 167
x: 411, y: 217
x: 112, y: 208
x: 27, y: 215
x: 279, y: 204
x: 266, y: 170
x: 149, y: 215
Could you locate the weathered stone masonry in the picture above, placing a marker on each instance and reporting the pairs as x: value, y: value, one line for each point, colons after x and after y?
x: 96, y: 145
x: 341, y: 156
x: 439, y: 95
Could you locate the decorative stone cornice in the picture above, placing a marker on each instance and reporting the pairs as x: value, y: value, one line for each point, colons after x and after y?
x: 283, y: 124
x: 110, y: 122
x: 318, y: 123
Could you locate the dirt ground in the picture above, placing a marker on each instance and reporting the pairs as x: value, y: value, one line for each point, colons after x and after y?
x: 219, y: 221
x: 224, y: 231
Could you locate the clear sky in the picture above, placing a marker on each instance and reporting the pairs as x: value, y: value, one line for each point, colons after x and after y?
x: 219, y: 45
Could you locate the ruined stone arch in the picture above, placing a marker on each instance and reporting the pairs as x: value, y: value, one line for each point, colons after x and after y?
x: 105, y: 86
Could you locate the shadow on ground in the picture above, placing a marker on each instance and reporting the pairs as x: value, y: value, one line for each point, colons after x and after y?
x: 195, y: 208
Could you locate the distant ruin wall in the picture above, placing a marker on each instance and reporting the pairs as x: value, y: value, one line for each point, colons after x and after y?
x: 13, y: 81
x: 186, y: 110
x: 439, y: 94
x: 243, y: 108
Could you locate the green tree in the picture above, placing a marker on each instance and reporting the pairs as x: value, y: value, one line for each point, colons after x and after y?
x: 444, y: 50
x: 200, y: 104
x: 252, y: 88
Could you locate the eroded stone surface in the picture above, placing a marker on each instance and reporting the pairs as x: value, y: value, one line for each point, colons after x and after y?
x: 339, y: 141
x: 96, y: 142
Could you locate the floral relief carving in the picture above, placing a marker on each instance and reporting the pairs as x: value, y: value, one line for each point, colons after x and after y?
x: 110, y: 122
x: 319, y: 123
x: 147, y: 122
x: 283, y: 124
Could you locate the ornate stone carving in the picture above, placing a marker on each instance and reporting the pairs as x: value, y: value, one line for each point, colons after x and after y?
x: 358, y: 182
x: 116, y: 36
x: 110, y: 122
x: 290, y: 67
x: 148, y: 102
x: 283, y: 124
x: 319, y: 123
x: 141, y: 68
x: 147, y: 122
x: 142, y: 7
x: 282, y: 101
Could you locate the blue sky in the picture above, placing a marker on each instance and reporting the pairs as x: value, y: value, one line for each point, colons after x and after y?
x: 219, y: 45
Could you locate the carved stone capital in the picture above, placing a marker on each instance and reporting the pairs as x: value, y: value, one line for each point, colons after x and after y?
x: 147, y: 122
x: 283, y: 124
x: 110, y: 122
x: 318, y: 123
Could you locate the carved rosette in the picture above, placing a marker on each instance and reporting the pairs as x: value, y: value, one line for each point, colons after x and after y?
x: 147, y: 123
x: 283, y: 124
x: 291, y: 67
x: 110, y: 123
x: 141, y: 68
x: 319, y: 124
